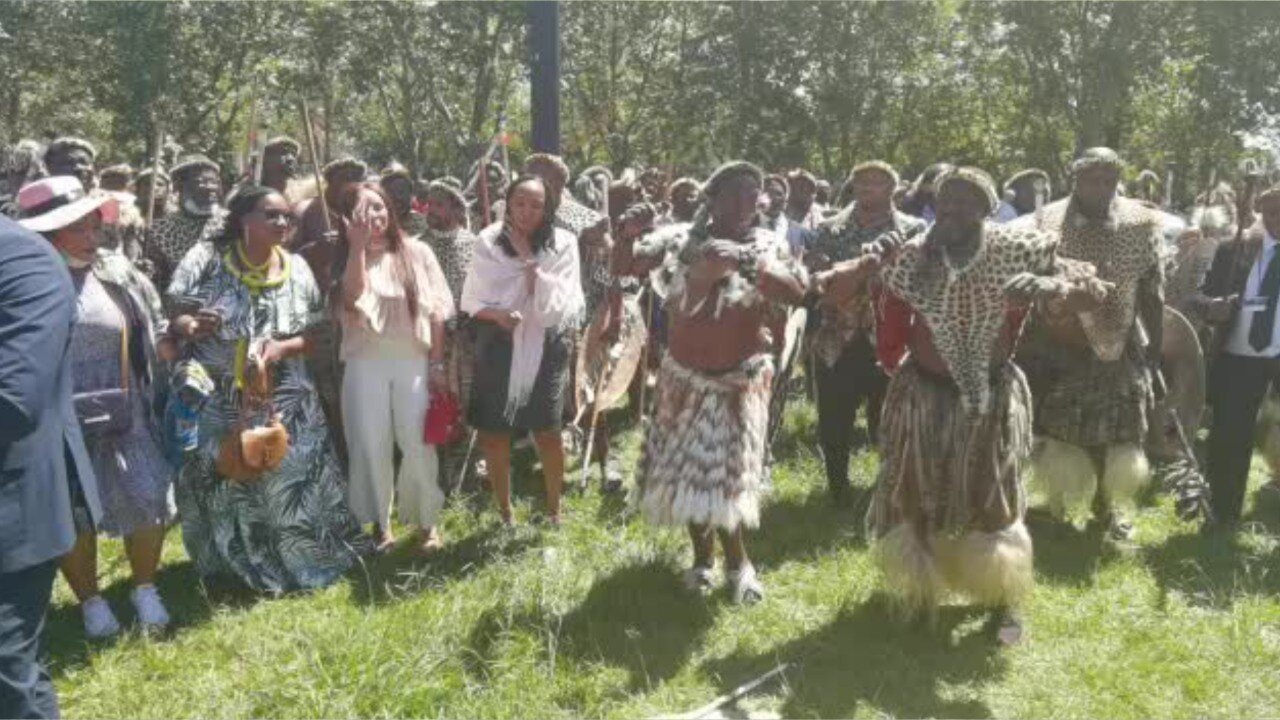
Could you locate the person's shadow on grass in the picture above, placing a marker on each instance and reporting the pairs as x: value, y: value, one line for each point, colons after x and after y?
x: 866, y: 661
x: 1214, y: 570
x: 639, y: 618
x: 379, y: 580
x: 1065, y: 555
x: 801, y: 528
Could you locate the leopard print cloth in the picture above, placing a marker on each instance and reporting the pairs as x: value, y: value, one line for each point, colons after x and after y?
x: 841, y: 238
x: 171, y: 236
x: 680, y: 247
x: 965, y: 307
x: 594, y: 261
x: 1124, y: 250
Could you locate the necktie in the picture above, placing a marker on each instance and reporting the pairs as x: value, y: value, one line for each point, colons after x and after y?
x: 1263, y: 323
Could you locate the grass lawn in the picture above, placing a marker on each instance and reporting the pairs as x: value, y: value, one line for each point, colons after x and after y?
x: 590, y: 620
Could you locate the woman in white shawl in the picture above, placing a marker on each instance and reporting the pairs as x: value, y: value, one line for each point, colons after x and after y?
x: 524, y: 290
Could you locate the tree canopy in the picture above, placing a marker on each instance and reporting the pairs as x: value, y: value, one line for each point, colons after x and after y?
x: 1003, y: 85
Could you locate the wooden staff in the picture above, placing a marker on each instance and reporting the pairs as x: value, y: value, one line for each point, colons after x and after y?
x: 255, y: 152
x: 315, y: 164
x: 1244, y: 205
x: 483, y: 179
x: 246, y: 158
x: 151, y: 195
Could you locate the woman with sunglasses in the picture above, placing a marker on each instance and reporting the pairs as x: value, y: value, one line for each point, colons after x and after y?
x: 288, y: 528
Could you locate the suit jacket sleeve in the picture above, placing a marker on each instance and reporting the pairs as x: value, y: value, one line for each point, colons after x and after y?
x: 1215, y: 281
x: 36, y: 313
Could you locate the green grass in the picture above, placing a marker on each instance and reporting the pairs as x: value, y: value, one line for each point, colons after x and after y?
x: 591, y: 621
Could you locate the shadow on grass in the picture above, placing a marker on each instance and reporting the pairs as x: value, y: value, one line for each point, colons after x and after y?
x: 1214, y: 570
x: 800, y: 527
x: 798, y: 435
x: 638, y: 619
x: 190, y: 599
x: 867, y: 662
x: 384, y: 579
x: 1065, y: 555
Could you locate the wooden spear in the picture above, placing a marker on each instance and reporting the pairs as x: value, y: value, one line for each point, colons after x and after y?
x: 315, y: 164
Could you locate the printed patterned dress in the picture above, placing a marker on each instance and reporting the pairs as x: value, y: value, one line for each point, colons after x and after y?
x: 291, y: 529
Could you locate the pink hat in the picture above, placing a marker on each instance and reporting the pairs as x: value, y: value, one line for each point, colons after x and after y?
x: 56, y: 202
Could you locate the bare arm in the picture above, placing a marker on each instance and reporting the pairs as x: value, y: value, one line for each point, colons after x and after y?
x: 781, y: 286
x: 626, y: 258
x: 846, y: 280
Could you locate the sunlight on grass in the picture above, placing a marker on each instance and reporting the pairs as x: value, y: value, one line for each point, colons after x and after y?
x: 591, y: 621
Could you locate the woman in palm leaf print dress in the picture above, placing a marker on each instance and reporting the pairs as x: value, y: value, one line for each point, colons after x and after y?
x: 290, y: 529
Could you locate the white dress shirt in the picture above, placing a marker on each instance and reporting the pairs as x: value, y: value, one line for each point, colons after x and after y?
x: 1252, y: 301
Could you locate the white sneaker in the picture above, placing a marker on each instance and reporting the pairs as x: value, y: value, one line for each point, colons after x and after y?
x: 99, y: 622
x: 151, y: 612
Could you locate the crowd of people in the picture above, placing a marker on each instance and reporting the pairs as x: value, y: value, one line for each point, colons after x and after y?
x: 277, y: 367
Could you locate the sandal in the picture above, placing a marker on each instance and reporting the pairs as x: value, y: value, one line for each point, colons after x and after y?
x: 747, y: 589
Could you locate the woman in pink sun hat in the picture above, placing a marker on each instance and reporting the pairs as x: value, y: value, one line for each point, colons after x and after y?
x: 116, y: 368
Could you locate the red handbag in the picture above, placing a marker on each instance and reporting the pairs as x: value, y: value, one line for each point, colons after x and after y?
x: 444, y: 419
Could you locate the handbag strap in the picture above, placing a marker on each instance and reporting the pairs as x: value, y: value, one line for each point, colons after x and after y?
x: 259, y: 392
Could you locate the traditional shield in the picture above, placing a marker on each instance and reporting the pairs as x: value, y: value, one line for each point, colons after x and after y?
x: 1182, y: 362
x: 787, y: 362
x: 606, y: 369
x: 1177, y: 417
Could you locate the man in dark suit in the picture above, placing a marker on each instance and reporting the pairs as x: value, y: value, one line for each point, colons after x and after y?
x: 1239, y: 297
x: 43, y: 462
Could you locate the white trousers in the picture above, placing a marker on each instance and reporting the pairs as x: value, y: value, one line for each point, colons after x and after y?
x: 384, y: 404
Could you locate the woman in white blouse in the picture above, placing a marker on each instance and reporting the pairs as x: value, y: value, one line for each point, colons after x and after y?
x: 395, y: 302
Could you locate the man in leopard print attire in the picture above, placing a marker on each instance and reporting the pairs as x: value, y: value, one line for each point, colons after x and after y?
x: 198, y: 217
x: 1093, y: 373
x: 947, y: 513
x: 594, y: 244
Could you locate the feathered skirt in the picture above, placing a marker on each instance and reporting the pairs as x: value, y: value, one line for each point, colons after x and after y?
x: 703, y: 460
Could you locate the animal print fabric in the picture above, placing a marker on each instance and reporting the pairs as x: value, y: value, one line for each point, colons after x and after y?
x: 680, y: 246
x: 589, y: 228
x: 965, y: 307
x: 172, y: 237
x: 1123, y: 250
x: 841, y: 238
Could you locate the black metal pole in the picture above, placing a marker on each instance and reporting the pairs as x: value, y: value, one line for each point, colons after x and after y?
x: 544, y: 63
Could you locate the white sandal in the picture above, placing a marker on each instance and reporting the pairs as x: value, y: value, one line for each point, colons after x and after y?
x: 747, y: 589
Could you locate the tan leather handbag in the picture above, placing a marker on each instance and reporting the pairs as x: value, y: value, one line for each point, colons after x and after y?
x: 247, y: 451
